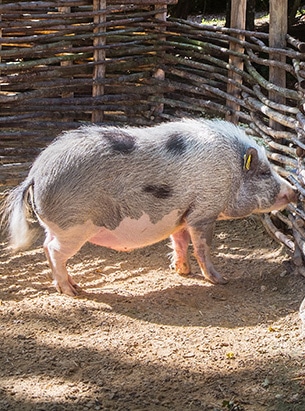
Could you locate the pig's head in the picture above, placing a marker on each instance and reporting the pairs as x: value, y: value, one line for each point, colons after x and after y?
x: 260, y: 188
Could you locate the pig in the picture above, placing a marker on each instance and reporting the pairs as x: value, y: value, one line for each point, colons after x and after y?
x: 130, y: 187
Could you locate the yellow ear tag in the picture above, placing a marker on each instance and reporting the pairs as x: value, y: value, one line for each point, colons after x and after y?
x: 247, y: 161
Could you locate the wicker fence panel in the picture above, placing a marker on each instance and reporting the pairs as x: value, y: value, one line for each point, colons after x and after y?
x: 197, y: 67
x: 65, y: 63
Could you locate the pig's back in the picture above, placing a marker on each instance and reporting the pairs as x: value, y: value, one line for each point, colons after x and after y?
x: 105, y: 174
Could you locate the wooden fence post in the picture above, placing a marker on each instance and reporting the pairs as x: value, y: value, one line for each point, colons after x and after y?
x: 238, y: 21
x: 0, y: 38
x: 99, y: 56
x: 66, y: 94
x: 159, y: 74
x: 277, y: 38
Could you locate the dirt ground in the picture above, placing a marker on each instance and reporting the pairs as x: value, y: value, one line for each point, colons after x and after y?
x: 141, y: 337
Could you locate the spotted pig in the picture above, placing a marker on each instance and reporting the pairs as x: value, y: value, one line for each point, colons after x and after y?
x: 126, y: 188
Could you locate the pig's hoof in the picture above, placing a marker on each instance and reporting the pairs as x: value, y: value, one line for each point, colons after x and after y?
x: 222, y: 280
x: 181, y: 269
x: 184, y: 273
x: 68, y: 288
x: 216, y: 278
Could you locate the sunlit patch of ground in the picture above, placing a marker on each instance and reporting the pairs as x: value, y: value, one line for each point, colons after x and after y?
x: 141, y: 337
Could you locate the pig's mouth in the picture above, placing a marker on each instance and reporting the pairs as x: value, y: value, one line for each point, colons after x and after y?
x: 280, y: 203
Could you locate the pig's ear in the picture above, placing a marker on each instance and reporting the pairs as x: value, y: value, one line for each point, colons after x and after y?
x: 251, y: 159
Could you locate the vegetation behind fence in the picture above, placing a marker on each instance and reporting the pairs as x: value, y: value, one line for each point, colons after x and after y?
x: 65, y: 63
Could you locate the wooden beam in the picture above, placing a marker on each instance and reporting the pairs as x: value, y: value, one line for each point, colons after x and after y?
x: 238, y: 21
x: 99, y: 56
x: 277, y: 39
x: 0, y: 28
x: 159, y: 74
x: 66, y: 10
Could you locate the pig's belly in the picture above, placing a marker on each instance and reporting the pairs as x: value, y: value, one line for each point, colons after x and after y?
x: 132, y: 233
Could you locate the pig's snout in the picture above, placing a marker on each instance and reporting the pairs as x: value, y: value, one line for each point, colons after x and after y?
x: 286, y: 195
x: 291, y: 196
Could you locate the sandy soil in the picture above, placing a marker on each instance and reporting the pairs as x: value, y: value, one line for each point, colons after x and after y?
x: 141, y: 337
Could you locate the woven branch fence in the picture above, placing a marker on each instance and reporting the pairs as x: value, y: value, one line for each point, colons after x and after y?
x: 64, y: 63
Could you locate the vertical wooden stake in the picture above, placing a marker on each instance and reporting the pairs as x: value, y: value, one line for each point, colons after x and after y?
x: 66, y: 94
x: 159, y: 74
x: 0, y: 38
x: 99, y: 56
x: 277, y: 38
x: 238, y: 21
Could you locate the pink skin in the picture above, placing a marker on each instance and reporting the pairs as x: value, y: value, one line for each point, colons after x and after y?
x: 202, y: 240
x: 57, y: 259
x: 180, y: 261
x: 60, y: 245
x: 285, y: 196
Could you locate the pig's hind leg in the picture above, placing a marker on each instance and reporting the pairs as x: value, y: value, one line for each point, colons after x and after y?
x: 180, y: 260
x: 201, y: 236
x: 58, y: 250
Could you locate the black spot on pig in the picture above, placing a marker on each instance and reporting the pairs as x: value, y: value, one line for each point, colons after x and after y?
x: 120, y: 142
x: 176, y: 144
x: 159, y: 191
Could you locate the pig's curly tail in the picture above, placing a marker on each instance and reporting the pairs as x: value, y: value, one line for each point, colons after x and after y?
x: 17, y: 217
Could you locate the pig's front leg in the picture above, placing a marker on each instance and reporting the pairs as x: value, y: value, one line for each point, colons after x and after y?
x: 180, y: 260
x: 201, y: 236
